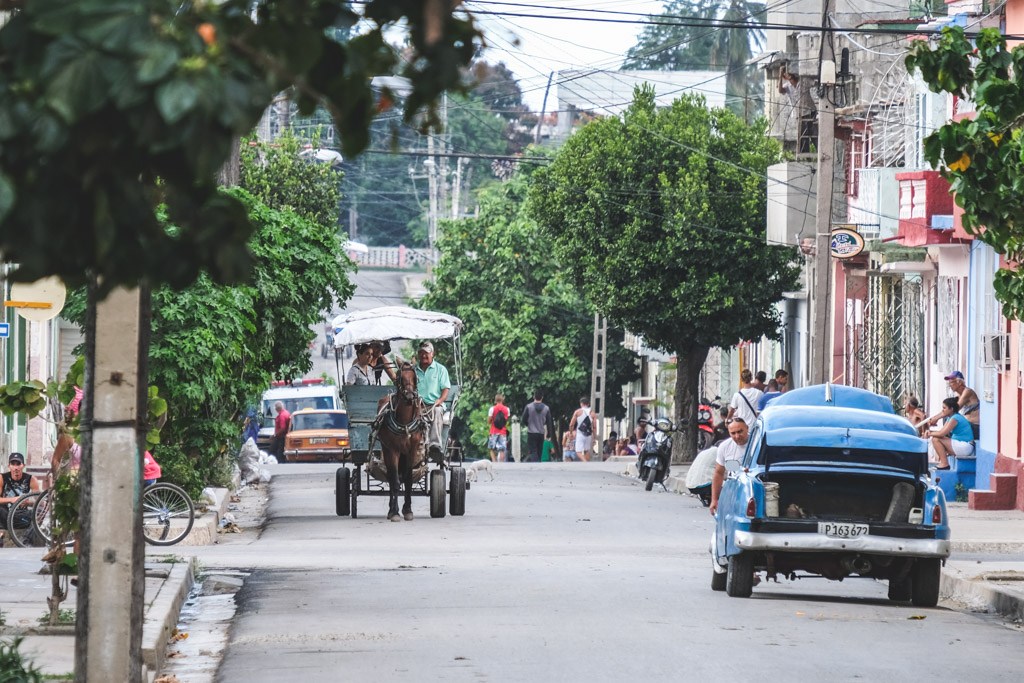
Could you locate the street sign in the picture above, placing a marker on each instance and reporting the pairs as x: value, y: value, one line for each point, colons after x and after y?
x: 38, y: 301
x: 5, y: 330
x: 845, y: 243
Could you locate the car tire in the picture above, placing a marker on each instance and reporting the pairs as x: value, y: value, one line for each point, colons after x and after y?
x: 900, y: 590
x: 739, y: 579
x: 925, y: 582
x: 342, y: 492
x: 718, y: 580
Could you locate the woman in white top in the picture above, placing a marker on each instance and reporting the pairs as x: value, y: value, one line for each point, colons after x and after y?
x: 359, y: 373
x: 744, y: 402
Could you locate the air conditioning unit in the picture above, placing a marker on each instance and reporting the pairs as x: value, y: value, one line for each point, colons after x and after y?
x: 995, y: 350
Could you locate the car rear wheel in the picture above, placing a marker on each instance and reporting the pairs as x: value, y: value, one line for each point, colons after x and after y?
x: 900, y: 589
x: 739, y: 580
x: 925, y: 582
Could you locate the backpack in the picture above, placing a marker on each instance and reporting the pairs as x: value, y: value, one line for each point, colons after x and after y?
x: 585, y: 427
x: 500, y: 419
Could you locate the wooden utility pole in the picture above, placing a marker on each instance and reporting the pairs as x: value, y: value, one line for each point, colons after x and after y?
x: 821, y: 294
x: 108, y: 627
x: 597, y: 379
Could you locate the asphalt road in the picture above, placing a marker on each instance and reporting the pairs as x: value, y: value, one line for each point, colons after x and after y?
x: 559, y: 572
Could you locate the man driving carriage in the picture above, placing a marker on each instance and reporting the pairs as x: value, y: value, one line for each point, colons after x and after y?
x: 433, y: 385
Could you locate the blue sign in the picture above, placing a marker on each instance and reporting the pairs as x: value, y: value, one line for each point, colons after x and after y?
x: 5, y: 330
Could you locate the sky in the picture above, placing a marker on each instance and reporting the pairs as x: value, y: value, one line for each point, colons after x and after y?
x: 531, y: 47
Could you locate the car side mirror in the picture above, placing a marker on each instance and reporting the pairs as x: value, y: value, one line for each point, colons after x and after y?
x: 732, y: 466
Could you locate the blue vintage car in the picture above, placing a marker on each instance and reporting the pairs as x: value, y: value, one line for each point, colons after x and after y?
x: 833, y: 484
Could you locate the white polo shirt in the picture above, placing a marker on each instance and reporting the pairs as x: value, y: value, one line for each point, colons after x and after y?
x: 730, y: 450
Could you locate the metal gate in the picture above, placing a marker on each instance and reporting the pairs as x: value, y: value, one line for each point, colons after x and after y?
x: 890, y: 347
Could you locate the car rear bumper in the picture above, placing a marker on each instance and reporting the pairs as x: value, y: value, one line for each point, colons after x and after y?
x: 318, y: 455
x: 820, y: 543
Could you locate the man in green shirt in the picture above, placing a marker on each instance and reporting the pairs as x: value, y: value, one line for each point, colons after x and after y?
x: 433, y: 385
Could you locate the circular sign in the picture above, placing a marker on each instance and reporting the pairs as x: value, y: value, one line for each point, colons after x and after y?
x: 38, y: 301
x: 845, y: 243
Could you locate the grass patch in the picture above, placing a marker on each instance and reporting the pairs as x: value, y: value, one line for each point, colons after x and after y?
x: 64, y: 617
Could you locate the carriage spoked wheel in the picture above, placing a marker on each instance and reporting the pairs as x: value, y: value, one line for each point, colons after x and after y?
x: 457, y: 491
x: 19, y: 521
x: 342, y: 491
x: 437, y: 493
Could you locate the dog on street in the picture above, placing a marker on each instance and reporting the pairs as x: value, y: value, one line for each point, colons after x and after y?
x: 475, y: 468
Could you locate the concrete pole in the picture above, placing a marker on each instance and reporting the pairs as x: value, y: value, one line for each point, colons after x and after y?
x: 597, y: 379
x: 543, y: 109
x: 431, y: 164
x: 821, y: 309
x: 108, y: 628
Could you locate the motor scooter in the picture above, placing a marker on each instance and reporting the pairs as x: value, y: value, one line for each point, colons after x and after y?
x: 706, y: 422
x: 655, y: 457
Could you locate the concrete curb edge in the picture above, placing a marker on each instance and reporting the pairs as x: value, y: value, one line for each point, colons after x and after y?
x: 980, y: 594
x: 162, y: 613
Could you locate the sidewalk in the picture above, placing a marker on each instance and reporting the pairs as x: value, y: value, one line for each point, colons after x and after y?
x: 168, y: 581
x: 985, y: 571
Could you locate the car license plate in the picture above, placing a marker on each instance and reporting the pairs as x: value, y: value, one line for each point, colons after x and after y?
x: 843, y: 529
x: 317, y: 440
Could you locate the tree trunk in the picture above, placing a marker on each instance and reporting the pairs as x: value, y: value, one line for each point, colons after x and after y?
x: 688, y: 366
x: 230, y: 174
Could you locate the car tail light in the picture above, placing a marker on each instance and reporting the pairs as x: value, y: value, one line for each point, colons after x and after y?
x: 342, y: 442
x: 294, y: 443
x: 751, y: 508
x: 936, y: 515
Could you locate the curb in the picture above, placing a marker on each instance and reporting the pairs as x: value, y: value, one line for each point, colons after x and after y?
x: 980, y: 593
x: 674, y: 484
x: 162, y: 614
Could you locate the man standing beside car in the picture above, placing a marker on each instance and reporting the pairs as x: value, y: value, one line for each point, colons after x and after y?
x: 731, y: 449
x: 281, y: 422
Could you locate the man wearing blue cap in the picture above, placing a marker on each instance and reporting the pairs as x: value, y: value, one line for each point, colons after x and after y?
x: 966, y: 398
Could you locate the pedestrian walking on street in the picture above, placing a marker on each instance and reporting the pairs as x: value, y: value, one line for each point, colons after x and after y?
x: 538, y: 421
x: 497, y: 419
x: 744, y: 401
x: 582, y: 421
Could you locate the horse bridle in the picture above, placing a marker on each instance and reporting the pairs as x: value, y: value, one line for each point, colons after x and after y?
x: 408, y: 392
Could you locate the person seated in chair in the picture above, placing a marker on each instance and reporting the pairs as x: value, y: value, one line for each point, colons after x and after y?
x: 16, y: 482
x: 433, y: 385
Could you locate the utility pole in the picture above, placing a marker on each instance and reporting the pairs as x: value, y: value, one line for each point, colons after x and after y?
x: 108, y: 627
x: 543, y: 109
x: 431, y: 164
x: 597, y: 379
x: 821, y: 309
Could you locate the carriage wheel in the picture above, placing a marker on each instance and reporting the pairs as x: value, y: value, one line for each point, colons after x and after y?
x: 357, y: 484
x: 19, y: 521
x: 457, y: 504
x: 342, y: 491
x: 437, y: 493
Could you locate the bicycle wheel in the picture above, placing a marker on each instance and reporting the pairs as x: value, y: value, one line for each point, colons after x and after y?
x: 19, y: 522
x: 167, y: 514
x: 41, y: 515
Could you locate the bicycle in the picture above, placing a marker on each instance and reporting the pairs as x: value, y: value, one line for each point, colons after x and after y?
x: 166, y: 509
x: 21, y: 528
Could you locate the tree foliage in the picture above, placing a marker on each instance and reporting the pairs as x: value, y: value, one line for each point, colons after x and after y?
x: 659, y: 218
x: 118, y: 106
x: 281, y: 178
x: 982, y: 157
x: 527, y: 327
x: 702, y: 45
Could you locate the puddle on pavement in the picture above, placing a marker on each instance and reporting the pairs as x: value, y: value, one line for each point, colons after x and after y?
x: 206, y: 619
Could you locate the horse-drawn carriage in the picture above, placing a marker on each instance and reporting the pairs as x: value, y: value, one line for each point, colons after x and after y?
x: 385, y: 418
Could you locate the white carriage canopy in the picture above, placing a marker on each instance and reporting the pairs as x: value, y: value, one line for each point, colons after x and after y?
x: 390, y: 323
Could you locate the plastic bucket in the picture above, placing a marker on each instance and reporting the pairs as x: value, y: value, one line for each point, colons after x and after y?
x: 771, y: 499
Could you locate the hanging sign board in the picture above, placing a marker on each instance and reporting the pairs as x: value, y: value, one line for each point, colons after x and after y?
x: 38, y: 301
x: 845, y: 243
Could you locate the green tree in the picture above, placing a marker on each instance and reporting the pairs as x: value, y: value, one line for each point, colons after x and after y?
x: 704, y: 45
x: 278, y: 176
x: 659, y: 218
x: 118, y: 106
x: 527, y: 327
x: 982, y: 157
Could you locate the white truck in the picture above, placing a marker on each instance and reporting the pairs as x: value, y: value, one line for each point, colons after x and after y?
x: 295, y: 395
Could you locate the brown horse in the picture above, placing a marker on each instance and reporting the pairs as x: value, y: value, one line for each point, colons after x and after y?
x: 400, y: 430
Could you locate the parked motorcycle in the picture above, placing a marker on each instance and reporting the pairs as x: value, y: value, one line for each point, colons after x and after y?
x: 655, y: 457
x: 706, y: 423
